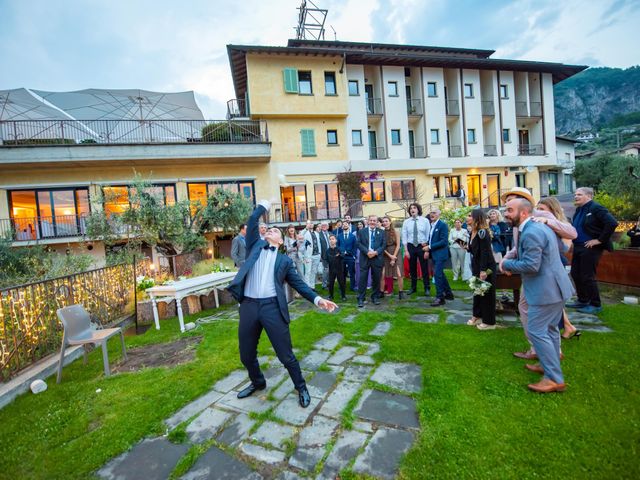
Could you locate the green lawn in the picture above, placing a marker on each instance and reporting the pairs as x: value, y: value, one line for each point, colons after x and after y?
x: 478, y: 419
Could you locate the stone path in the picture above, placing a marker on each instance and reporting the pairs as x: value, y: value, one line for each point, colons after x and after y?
x: 269, y: 436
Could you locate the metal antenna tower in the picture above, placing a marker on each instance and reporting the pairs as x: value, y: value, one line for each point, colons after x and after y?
x: 310, y: 22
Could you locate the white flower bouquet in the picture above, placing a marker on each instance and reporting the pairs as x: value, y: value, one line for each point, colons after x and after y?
x: 479, y: 287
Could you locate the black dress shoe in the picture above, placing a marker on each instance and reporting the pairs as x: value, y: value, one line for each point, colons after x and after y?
x: 376, y: 301
x: 411, y: 292
x: 449, y: 296
x: 360, y: 304
x: 250, y: 390
x: 303, y: 397
x: 438, y: 302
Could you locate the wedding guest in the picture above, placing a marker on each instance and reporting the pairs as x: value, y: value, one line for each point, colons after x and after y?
x: 391, y: 262
x: 335, y: 265
x: 483, y: 266
x: 291, y: 247
x: 634, y: 234
x: 458, y: 240
x: 347, y: 243
x: 497, y: 227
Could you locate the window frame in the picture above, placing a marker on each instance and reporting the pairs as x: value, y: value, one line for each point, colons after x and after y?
x: 369, y: 186
x: 399, y: 142
x: 471, y: 133
x: 329, y: 133
x: 437, y: 132
x: 393, y: 83
x: 470, y: 87
x: 222, y: 183
x: 448, y: 185
x: 508, y: 132
x: 435, y: 89
x: 333, y: 82
x: 356, y: 144
x: 301, y: 82
x: 402, y: 184
x: 357, y: 84
x: 506, y: 91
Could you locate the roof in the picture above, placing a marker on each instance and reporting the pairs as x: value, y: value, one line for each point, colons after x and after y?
x: 392, y: 54
x: 631, y: 145
x: 568, y: 139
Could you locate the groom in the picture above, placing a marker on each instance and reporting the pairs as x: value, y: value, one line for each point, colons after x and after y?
x: 259, y: 288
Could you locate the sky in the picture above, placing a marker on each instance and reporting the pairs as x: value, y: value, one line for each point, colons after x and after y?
x: 169, y: 45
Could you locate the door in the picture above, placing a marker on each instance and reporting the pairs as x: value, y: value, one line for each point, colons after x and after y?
x: 520, y: 180
x: 412, y: 147
x: 373, y: 145
x: 493, y: 188
x: 294, y: 203
x: 410, y: 108
x: 327, y: 201
x: 523, y: 139
x: 64, y: 212
x: 368, y: 97
x: 473, y: 189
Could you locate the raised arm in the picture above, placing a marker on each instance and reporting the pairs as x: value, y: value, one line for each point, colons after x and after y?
x: 253, y: 225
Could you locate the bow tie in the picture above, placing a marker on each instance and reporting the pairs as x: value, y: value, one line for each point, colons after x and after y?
x: 267, y: 247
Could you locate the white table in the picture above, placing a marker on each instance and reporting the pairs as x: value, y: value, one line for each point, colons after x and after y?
x: 183, y: 288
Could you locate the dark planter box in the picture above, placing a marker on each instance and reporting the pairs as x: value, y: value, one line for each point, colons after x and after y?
x: 620, y: 267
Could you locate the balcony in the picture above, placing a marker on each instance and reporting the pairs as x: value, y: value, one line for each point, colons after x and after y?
x: 236, y: 108
x: 41, y: 228
x: 455, y: 151
x: 416, y: 152
x: 300, y: 212
x: 414, y: 107
x: 490, y: 151
x: 377, y: 153
x: 535, y: 109
x: 374, y: 106
x: 128, y: 132
x: 530, y: 150
x: 488, y: 109
x: 453, y: 108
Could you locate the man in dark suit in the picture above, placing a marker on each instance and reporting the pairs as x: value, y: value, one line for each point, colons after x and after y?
x: 371, y: 244
x: 259, y: 288
x: 439, y: 252
x: 348, y: 246
x: 594, y: 225
x: 352, y: 226
x: 238, y: 247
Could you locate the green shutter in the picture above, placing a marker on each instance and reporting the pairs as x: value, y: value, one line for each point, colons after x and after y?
x: 308, y: 141
x: 290, y: 80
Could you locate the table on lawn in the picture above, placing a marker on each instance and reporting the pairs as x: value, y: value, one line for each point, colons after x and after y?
x: 184, y: 288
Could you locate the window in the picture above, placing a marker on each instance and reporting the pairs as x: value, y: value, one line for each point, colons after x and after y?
x: 199, y: 192
x: 332, y: 137
x: 304, y: 83
x: 435, y: 136
x: 290, y: 80
x: 432, y: 90
x: 407, y: 72
x: 354, y: 88
x: 395, y: 137
x: 452, y: 186
x: 521, y: 180
x: 308, y: 141
x: 504, y: 91
x: 374, y: 192
x: 403, y: 190
x: 506, y: 135
x: 330, y: 83
x: 356, y: 137
x: 468, y: 90
x: 436, y: 187
x: 392, y: 89
x: 471, y: 135
x: 327, y: 200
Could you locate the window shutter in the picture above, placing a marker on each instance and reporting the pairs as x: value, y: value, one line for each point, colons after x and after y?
x: 308, y: 141
x: 290, y: 80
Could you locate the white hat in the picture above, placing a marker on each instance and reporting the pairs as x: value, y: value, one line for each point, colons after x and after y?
x: 519, y: 192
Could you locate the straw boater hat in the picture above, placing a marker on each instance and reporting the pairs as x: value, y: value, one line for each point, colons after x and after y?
x: 520, y: 192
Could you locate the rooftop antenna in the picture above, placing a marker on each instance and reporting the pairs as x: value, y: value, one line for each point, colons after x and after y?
x: 310, y: 22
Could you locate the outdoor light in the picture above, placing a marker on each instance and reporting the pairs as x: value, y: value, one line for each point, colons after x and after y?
x: 152, y: 267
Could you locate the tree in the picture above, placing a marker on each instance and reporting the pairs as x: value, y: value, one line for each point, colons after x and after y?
x: 351, y: 186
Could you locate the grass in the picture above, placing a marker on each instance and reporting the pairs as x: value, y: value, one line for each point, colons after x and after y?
x: 478, y: 419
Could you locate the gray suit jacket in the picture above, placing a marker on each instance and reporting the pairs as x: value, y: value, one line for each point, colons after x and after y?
x: 543, y: 276
x: 238, y: 251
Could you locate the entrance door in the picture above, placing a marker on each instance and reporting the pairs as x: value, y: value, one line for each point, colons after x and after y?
x: 368, y: 97
x: 373, y: 145
x: 412, y: 149
x: 523, y: 138
x: 294, y: 203
x: 473, y: 189
x: 493, y: 187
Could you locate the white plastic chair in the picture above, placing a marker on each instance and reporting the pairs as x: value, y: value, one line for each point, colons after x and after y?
x: 78, y: 331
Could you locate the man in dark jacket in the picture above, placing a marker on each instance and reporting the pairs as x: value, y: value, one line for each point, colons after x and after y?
x: 594, y: 225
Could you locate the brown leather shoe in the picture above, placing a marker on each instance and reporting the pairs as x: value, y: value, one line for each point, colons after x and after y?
x: 525, y: 355
x: 535, y: 368
x: 547, y: 386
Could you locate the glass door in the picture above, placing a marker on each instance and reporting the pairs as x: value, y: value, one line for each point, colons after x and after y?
x: 294, y: 203
x: 373, y: 145
x: 64, y: 213
x: 473, y: 189
x: 368, y: 98
x: 493, y: 187
x: 412, y: 145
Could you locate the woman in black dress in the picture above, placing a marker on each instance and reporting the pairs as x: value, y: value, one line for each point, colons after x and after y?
x: 483, y: 266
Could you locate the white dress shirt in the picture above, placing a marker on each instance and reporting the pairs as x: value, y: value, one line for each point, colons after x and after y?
x: 423, y: 230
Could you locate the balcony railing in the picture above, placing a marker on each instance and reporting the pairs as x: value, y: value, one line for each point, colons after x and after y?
x: 488, y: 108
x: 453, y: 107
x: 521, y: 109
x: 490, y: 151
x: 374, y: 106
x: 108, y: 132
x: 530, y: 150
x: 300, y: 212
x: 416, y: 152
x: 377, y: 153
x: 40, y: 228
x: 236, y: 108
x: 414, y: 106
x: 535, y: 109
x: 455, y: 151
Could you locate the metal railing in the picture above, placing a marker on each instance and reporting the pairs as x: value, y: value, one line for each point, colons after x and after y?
x: 377, y: 153
x: 488, y: 108
x: 416, y: 151
x: 535, y: 109
x: 455, y: 151
x: 374, y: 106
x: 530, y: 150
x: 236, y: 108
x: 490, y: 151
x: 300, y: 212
x: 108, y: 132
x: 414, y: 106
x: 39, y: 228
x: 521, y: 109
x: 452, y: 107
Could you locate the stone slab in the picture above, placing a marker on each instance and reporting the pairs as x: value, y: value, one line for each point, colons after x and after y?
x: 382, y: 455
x: 339, y: 398
x: 151, y: 459
x: 314, y: 359
x: 206, y: 425
x: 193, y: 408
x: 255, y: 403
x: 357, y: 373
x: 284, y: 389
x: 595, y: 328
x: 388, y: 408
x: 401, y: 376
x: 381, y: 329
x: 342, y: 355
x: 287, y: 475
x: 321, y: 383
x: 329, y: 342
x: 426, y: 318
x: 458, y: 319
x: 291, y: 412
x: 216, y: 464
x: 373, y: 349
x: 273, y: 434
x: 264, y: 455
x: 363, y: 426
x: 231, y: 381
x: 236, y: 431
x: 318, y: 433
x: 583, y: 318
x: 344, y: 450
x: 349, y: 318
x: 306, y: 458
x: 363, y: 359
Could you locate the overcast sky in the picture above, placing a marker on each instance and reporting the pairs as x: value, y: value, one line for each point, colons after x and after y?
x: 170, y: 45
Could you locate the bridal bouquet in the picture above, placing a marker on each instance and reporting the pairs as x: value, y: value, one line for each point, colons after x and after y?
x: 479, y: 287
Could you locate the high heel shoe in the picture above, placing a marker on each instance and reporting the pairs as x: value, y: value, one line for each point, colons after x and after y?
x: 576, y: 334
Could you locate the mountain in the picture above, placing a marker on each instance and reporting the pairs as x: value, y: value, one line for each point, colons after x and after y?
x: 594, y: 97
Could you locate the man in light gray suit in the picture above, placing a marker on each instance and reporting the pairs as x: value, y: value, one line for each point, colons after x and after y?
x: 239, y: 247
x: 546, y: 287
